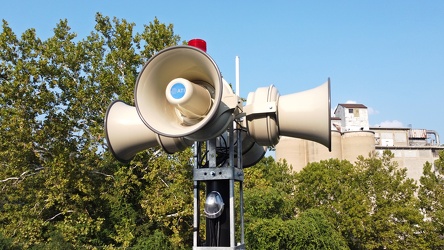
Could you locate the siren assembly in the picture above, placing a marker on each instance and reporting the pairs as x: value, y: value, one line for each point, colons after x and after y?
x: 182, y: 101
x: 181, y: 98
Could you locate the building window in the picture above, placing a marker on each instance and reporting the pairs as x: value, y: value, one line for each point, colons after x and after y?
x: 350, y: 111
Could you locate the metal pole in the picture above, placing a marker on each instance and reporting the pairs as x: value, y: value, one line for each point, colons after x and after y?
x: 196, y: 219
x: 241, y: 187
x: 221, y: 224
x: 231, y: 187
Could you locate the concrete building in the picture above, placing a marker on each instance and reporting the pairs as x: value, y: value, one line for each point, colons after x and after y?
x: 352, y: 136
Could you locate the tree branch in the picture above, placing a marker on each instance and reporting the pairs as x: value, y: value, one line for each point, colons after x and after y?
x: 172, y: 215
x: 61, y: 213
x: 166, y: 184
x: 22, y: 175
x: 107, y: 175
x: 9, y: 179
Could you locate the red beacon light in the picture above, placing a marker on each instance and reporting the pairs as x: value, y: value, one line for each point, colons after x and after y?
x: 198, y: 43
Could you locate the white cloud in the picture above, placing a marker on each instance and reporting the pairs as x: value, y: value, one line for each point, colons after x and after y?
x: 390, y: 124
x: 372, y: 111
x: 351, y: 102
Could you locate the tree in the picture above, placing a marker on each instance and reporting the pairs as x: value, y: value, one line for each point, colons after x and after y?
x: 270, y: 212
x: 332, y: 186
x: 395, y: 212
x: 5, y: 243
x: 268, y: 188
x: 431, y: 195
x: 56, y: 173
x: 310, y: 230
x: 157, y: 240
x: 372, y: 203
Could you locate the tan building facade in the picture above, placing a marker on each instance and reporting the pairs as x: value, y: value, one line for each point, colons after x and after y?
x: 351, y: 136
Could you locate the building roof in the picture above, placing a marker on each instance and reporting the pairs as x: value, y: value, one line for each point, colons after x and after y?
x: 388, y: 128
x: 352, y: 105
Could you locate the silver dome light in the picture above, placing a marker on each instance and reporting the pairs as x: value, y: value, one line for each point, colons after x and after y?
x: 214, y: 205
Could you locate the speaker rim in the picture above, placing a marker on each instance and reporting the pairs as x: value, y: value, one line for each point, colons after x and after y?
x: 218, y: 93
x: 108, y: 142
x: 285, y: 124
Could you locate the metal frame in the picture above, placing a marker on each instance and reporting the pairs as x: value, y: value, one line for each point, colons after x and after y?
x: 214, y: 173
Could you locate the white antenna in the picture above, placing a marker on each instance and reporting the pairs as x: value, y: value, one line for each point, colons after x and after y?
x: 237, y: 77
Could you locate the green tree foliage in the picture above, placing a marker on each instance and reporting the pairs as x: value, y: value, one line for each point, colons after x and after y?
x: 431, y: 194
x: 5, y: 243
x: 310, y: 230
x: 268, y: 188
x: 372, y: 203
x: 157, y: 240
x: 270, y: 212
x: 56, y: 174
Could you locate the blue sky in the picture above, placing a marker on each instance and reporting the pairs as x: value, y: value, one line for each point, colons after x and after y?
x: 387, y: 55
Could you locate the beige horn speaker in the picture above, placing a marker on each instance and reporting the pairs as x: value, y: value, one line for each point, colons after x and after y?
x: 304, y: 115
x: 126, y: 134
x: 180, y: 93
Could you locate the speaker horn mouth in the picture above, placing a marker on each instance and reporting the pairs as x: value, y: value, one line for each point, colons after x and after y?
x: 123, y: 159
x: 305, y: 115
x: 172, y: 119
x: 126, y: 134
